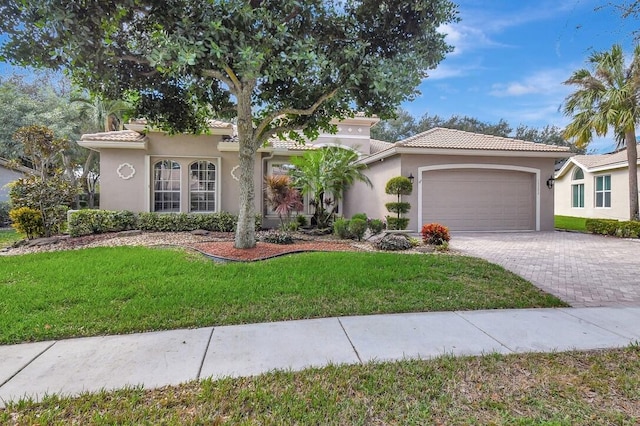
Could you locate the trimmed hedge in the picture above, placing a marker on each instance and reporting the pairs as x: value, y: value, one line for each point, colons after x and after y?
x: 623, y: 229
x: 86, y: 222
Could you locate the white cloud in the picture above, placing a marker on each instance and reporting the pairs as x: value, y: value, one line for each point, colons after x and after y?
x: 543, y: 82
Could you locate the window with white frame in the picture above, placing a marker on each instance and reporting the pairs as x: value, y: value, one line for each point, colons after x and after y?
x: 603, y: 191
x: 577, y: 188
x: 166, y: 186
x: 202, y: 186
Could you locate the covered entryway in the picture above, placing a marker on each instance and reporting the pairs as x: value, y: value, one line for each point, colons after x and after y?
x: 485, y: 198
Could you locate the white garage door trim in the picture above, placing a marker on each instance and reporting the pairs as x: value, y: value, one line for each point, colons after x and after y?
x: 534, y: 171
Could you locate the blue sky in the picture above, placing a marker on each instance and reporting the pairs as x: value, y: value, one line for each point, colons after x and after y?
x: 511, y: 57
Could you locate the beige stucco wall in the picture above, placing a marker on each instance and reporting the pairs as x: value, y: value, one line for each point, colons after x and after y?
x: 372, y: 202
x: 619, y: 195
x: 361, y: 198
x: 135, y: 193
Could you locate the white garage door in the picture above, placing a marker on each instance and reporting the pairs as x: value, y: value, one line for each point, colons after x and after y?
x: 479, y: 199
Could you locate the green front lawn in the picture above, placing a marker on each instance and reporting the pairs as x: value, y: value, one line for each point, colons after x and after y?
x: 571, y: 223
x: 8, y: 236
x: 126, y: 289
x: 573, y: 388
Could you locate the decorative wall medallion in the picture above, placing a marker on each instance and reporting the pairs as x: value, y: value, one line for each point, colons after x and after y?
x: 233, y: 173
x: 126, y: 171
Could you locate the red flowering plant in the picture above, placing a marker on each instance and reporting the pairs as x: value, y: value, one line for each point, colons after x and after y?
x: 435, y: 234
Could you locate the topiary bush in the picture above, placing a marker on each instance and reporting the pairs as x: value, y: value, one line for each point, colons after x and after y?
x: 276, y: 237
x: 376, y: 226
x: 357, y: 228
x: 397, y: 223
x: 362, y: 216
x: 341, y: 228
x: 435, y: 234
x: 27, y: 221
x: 394, y: 242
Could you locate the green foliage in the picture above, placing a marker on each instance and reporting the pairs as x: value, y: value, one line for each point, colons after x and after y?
x: 27, y: 221
x: 87, y: 222
x: 341, y: 228
x: 357, y: 228
x: 623, y: 229
x: 302, y: 221
x: 362, y: 216
x: 278, y: 66
x: 325, y: 174
x: 435, y: 234
x: 376, y: 226
x: 606, y: 99
x: 395, y: 223
x: 276, y: 237
x: 394, y: 242
x: 398, y: 185
x: 399, y: 208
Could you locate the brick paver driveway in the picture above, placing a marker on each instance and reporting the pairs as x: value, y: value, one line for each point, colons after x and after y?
x: 581, y: 269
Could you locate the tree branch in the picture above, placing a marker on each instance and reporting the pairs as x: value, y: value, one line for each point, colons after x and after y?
x: 223, y: 78
x: 280, y: 129
x: 264, y: 124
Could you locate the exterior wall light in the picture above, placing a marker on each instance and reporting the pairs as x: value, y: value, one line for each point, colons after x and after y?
x: 550, y: 182
x: 411, y: 178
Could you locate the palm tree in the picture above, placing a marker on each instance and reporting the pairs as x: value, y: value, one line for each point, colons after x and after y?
x: 608, y: 98
x: 325, y: 174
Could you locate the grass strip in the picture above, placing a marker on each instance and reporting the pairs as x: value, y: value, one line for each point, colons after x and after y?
x: 573, y: 388
x: 127, y: 289
x: 571, y: 223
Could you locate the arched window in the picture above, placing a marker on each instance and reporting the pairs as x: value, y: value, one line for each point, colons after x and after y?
x: 166, y: 186
x: 577, y: 189
x: 578, y: 174
x: 202, y: 186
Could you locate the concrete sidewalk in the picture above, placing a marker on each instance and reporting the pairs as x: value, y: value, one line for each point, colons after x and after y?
x: 156, y: 359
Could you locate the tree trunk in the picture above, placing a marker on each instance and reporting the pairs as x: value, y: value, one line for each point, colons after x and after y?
x: 245, y: 230
x: 632, y: 159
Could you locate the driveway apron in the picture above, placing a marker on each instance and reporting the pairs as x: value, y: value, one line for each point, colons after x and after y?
x: 584, y: 270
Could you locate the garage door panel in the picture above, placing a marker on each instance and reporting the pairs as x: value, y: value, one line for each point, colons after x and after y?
x: 479, y: 199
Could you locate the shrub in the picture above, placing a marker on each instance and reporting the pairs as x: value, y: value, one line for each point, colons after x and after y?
x: 435, y: 234
x: 86, y: 222
x: 357, y: 228
x: 400, y: 207
x: 27, y: 221
x: 276, y: 237
x: 623, y: 229
x: 376, y: 226
x: 341, y: 228
x: 302, y: 221
x: 397, y: 223
x: 362, y: 216
x: 394, y: 242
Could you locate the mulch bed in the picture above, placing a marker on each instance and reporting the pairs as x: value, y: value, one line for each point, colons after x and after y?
x: 226, y: 251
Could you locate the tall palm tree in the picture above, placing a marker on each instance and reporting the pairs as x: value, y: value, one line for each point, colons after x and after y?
x: 608, y: 97
x: 325, y: 174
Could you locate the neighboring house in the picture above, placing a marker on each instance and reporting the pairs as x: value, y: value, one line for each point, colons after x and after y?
x: 464, y: 180
x: 8, y: 175
x: 594, y: 186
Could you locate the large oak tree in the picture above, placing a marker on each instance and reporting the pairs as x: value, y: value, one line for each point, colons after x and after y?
x: 275, y: 65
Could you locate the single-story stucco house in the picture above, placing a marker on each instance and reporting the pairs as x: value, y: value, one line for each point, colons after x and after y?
x: 594, y: 186
x: 467, y: 181
x: 8, y: 175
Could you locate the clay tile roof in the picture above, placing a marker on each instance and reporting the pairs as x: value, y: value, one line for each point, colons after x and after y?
x: 278, y: 143
x: 117, y: 136
x: 457, y: 139
x: 377, y: 146
x: 602, y: 160
x: 214, y: 124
